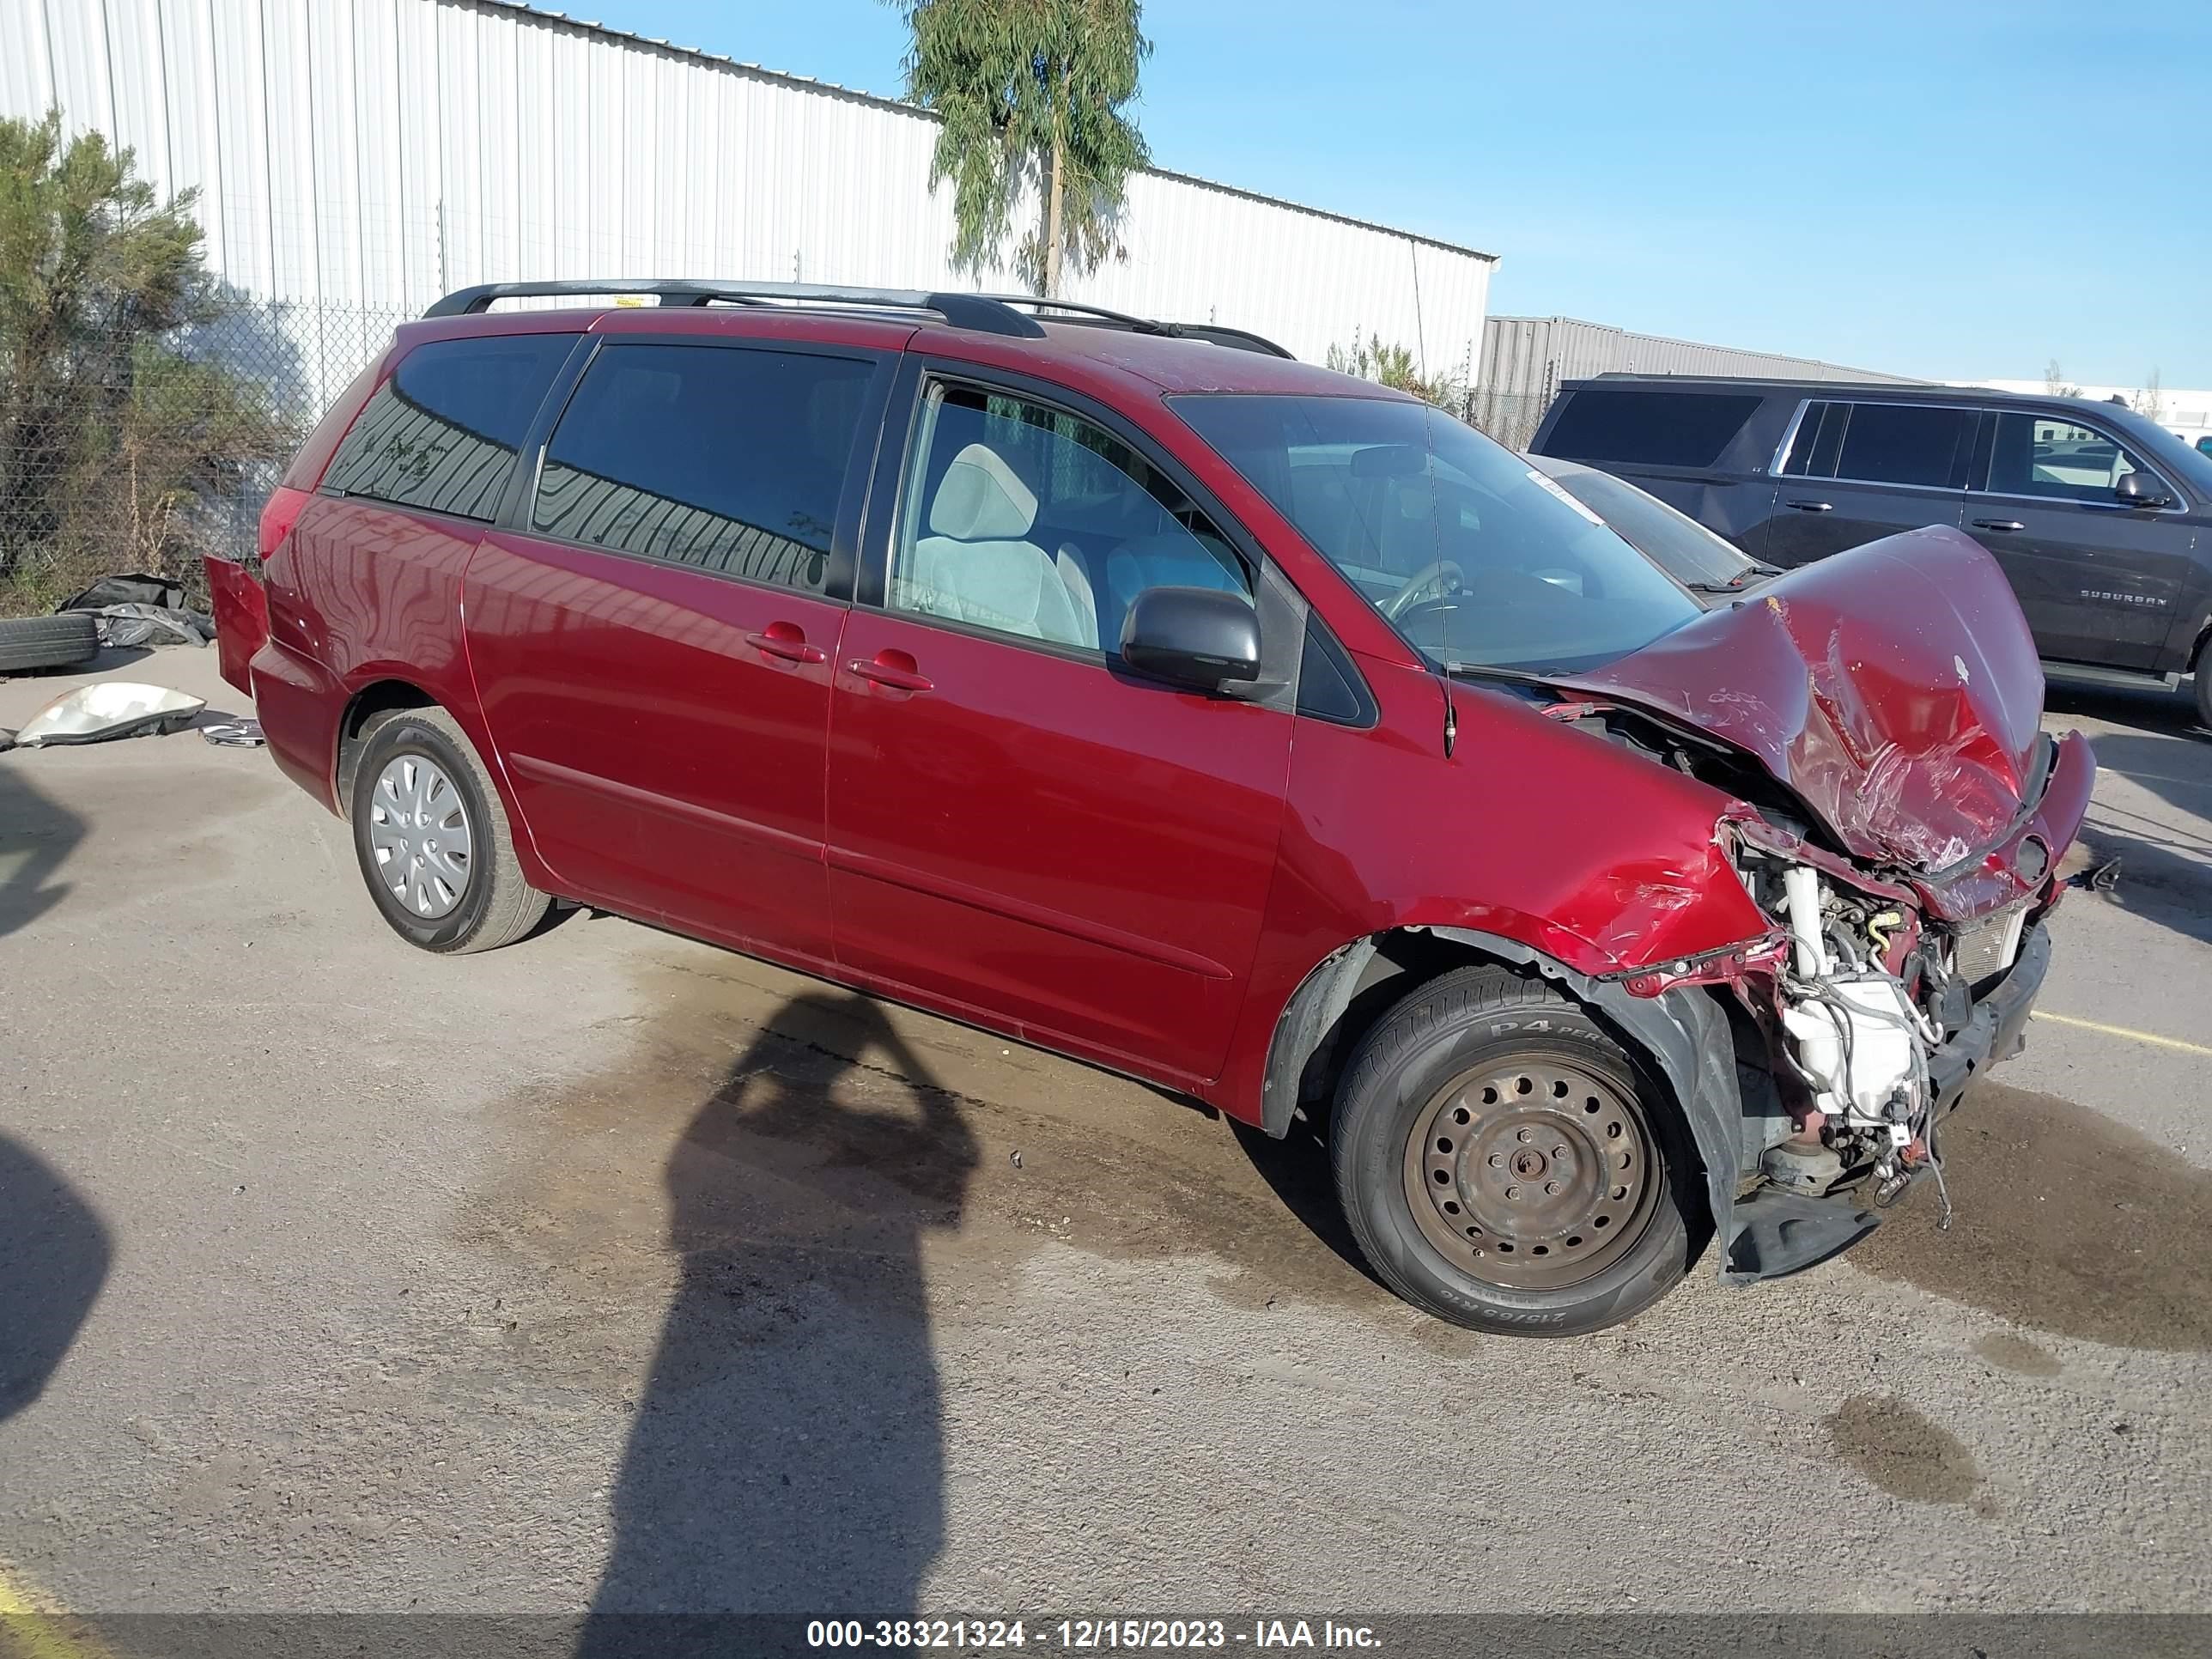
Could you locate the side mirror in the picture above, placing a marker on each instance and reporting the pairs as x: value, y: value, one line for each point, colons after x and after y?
x: 1199, y: 637
x: 2140, y: 489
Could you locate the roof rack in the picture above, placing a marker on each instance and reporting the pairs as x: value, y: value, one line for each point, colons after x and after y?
x: 987, y: 313
x: 982, y: 313
x: 1241, y: 339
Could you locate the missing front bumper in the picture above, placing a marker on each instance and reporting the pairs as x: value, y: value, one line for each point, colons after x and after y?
x: 1772, y: 1233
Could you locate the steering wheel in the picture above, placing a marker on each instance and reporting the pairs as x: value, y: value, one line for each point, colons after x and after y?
x: 1441, y: 574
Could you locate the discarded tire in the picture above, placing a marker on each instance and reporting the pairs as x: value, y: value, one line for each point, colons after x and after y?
x: 47, y: 641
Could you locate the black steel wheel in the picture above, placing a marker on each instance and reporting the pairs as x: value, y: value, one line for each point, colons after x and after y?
x: 1506, y: 1165
x: 1534, y: 1171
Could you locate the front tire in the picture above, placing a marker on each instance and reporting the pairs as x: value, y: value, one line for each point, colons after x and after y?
x: 1505, y: 1165
x: 2203, y: 678
x: 433, y: 839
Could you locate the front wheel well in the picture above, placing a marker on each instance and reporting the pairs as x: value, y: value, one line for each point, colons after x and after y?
x: 1687, y: 1038
x: 1340, y: 1001
x: 365, y: 712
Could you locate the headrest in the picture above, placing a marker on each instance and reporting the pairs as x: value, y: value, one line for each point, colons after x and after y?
x: 981, y: 500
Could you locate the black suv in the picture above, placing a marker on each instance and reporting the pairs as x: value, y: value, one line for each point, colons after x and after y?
x: 2102, y: 519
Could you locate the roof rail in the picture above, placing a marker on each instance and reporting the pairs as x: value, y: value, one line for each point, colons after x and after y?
x: 982, y: 313
x: 1241, y: 339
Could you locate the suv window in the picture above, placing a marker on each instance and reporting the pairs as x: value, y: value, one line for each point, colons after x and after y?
x: 1905, y: 444
x: 1660, y: 428
x: 2046, y: 455
x: 728, y: 460
x: 1031, y: 521
x: 442, y: 432
x: 1882, y: 443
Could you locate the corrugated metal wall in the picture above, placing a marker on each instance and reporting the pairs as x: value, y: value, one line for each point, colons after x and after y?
x: 1529, y: 357
x: 378, y: 152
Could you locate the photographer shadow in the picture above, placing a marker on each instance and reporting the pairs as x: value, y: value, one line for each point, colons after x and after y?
x: 787, y: 1454
x: 54, y: 1257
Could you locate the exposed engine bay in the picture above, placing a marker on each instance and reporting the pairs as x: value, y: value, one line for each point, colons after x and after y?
x: 1865, y: 997
x: 1855, y: 995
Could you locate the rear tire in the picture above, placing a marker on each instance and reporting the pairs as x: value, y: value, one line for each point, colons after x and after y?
x: 2203, y: 678
x: 1505, y: 1165
x: 433, y: 839
x: 47, y: 641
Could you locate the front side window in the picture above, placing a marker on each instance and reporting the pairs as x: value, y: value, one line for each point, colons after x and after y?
x: 1475, y: 556
x: 441, y: 433
x: 2048, y: 455
x: 1033, y: 522
x: 726, y: 460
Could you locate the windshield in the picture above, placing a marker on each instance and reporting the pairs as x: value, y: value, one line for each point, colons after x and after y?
x: 1685, y: 548
x: 1474, y: 556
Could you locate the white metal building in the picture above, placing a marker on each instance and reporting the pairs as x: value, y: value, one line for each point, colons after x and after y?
x: 1539, y: 352
x: 374, y: 153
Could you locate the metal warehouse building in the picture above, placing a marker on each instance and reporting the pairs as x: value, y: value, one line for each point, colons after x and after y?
x: 1525, y: 359
x: 360, y: 157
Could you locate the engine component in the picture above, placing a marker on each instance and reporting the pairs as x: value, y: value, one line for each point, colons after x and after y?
x: 1859, y: 1041
x: 1802, y: 1165
x: 1856, y: 1042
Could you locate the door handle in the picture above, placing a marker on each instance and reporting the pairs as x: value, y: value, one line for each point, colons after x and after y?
x: 1999, y: 523
x: 1814, y: 506
x: 893, y: 668
x: 785, y: 639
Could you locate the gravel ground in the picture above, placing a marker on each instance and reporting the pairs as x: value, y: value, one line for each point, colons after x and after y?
x: 612, y: 1271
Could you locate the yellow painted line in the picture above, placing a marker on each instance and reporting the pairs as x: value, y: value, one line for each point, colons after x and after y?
x: 29, y: 1630
x: 2151, y: 1037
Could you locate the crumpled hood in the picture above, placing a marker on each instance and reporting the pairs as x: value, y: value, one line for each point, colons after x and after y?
x: 1894, y: 688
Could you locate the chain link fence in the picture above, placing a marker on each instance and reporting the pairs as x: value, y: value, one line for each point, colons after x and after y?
x: 126, y: 451
x: 1510, y: 417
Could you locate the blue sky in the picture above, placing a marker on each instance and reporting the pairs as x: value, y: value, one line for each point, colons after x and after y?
x: 1953, y: 188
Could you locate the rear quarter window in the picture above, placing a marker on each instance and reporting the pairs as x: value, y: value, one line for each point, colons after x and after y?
x: 1653, y: 427
x: 442, y: 433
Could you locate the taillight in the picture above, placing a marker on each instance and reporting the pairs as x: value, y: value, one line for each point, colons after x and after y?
x: 277, y: 518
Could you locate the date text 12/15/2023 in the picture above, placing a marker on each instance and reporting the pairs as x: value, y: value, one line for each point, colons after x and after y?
x: 1086, y: 1635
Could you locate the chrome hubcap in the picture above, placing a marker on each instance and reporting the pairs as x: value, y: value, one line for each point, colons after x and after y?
x: 418, y: 830
x: 1533, y: 1173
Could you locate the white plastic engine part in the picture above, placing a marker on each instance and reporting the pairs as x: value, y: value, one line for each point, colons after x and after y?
x: 1878, y: 1024
x: 1801, y: 890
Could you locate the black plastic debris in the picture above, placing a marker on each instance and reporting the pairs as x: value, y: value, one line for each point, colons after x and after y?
x: 141, y: 609
x: 2097, y: 878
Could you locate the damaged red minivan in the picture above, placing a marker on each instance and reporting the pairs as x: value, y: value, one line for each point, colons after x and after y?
x: 1138, y: 693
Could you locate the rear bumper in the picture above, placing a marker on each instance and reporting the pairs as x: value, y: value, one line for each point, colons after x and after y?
x: 241, y: 618
x: 1772, y: 1233
x: 300, y: 703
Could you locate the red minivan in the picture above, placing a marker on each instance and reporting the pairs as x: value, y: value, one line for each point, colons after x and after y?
x: 1140, y: 693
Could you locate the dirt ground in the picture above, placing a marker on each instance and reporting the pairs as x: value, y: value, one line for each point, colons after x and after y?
x: 612, y: 1271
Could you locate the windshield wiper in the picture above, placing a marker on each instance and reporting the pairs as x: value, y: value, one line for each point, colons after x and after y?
x: 1735, y: 584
